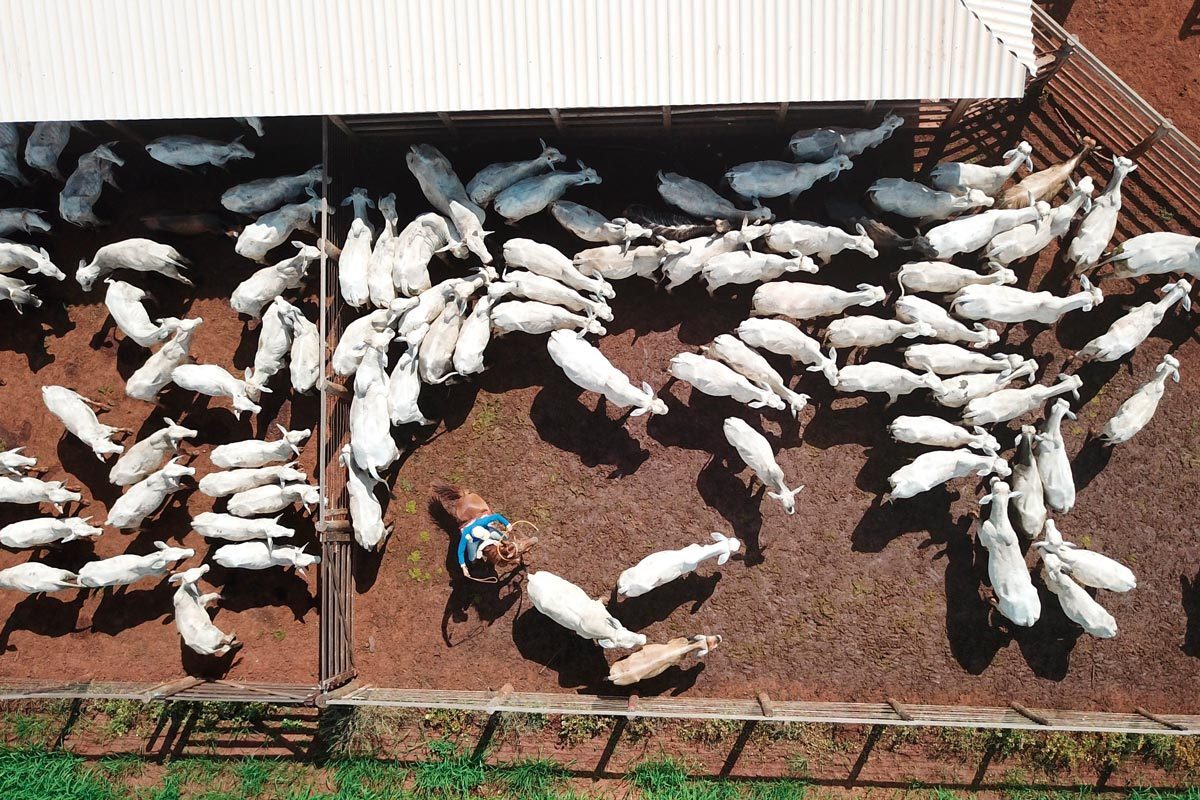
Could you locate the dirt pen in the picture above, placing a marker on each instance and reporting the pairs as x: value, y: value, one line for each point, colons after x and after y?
x: 849, y: 611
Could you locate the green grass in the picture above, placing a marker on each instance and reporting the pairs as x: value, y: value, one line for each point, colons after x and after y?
x: 449, y: 771
x: 533, y: 777
x: 37, y: 774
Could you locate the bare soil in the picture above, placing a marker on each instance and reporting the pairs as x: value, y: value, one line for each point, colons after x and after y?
x: 128, y: 633
x: 847, y: 600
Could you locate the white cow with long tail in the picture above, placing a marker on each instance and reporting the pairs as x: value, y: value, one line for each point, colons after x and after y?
x: 195, y: 627
x: 1016, y: 597
x: 569, y: 606
x: 756, y: 451
x: 589, y: 369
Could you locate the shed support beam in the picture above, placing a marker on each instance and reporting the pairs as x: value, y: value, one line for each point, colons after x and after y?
x: 343, y: 127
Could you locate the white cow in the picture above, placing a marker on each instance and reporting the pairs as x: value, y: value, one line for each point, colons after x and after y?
x: 223, y: 484
x: 124, y: 302
x: 1079, y: 606
x: 147, y: 495
x: 28, y: 491
x: 1124, y: 335
x: 1029, y: 505
x: 755, y: 368
x: 1156, y: 254
x: 19, y: 293
x: 34, y: 578
x: 881, y: 378
x: 437, y: 179
x: 532, y: 286
x: 699, y: 200
x: 782, y: 337
x: 214, y: 381
x: 416, y: 244
x: 682, y: 261
x: 665, y: 566
x: 1054, y: 466
x: 588, y: 368
x: 946, y: 328
x: 211, y: 525
x: 542, y: 259
x: 759, y: 179
x: 125, y: 569
x: 1086, y: 566
x: 257, y: 453
x: 42, y: 531
x: 616, y: 263
x: 569, y: 606
x: 871, y: 331
x: 76, y: 414
x: 950, y: 359
x: 957, y: 391
x: 943, y: 278
x: 24, y: 220
x: 592, y: 226
x: 917, y: 201
x: 1135, y: 412
x: 435, y: 355
x: 531, y: 195
x: 473, y: 338
x: 304, y: 361
x: 184, y: 150
x: 274, y: 342
x: 79, y: 195
x: 495, y: 178
x: 349, y: 351
x: 818, y: 144
x: 366, y: 515
x: 810, y: 301
x: 714, y: 378
x: 272, y: 499
x: 46, y: 143
x: 148, y: 380
x: 264, y: 555
x: 352, y: 265
x: 1098, y: 226
x: 384, y: 260
x: 195, y: 627
x: 404, y: 384
x: 12, y: 462
x: 141, y: 255
x: 1031, y: 238
x: 370, y: 424
x: 933, y: 469
x: 756, y: 451
x: 470, y: 231
x: 968, y: 234
x: 15, y: 256
x: 528, y: 316
x: 1016, y: 597
x: 360, y: 200
x: 265, y: 194
x: 741, y: 267
x: 252, y: 294
x: 937, y: 432
x: 1009, y: 404
x: 147, y: 455
x: 273, y: 229
x: 960, y: 177
x: 823, y: 242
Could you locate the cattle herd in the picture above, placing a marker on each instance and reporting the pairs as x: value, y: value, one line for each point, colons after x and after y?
x: 433, y: 333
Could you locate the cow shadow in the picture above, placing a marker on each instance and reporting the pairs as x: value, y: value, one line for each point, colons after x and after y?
x: 578, y: 662
x: 973, y: 638
x: 563, y: 421
x: 122, y: 608
x: 1189, y: 591
x: 641, y: 612
x: 490, y: 602
x: 1091, y: 460
x: 79, y: 461
x: 1047, y: 646
x: 244, y: 589
x: 723, y: 491
x: 211, y: 668
x: 884, y: 522
x: 43, y: 615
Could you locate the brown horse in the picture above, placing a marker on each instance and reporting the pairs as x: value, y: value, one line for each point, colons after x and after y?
x: 464, y: 506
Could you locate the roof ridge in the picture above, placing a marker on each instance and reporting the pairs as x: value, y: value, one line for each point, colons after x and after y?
x: 1030, y: 64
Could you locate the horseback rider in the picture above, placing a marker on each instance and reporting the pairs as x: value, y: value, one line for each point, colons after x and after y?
x: 478, y: 534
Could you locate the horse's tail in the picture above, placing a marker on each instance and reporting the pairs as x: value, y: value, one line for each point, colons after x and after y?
x: 448, y: 496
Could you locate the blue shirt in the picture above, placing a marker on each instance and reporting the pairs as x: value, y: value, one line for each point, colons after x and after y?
x: 465, y: 534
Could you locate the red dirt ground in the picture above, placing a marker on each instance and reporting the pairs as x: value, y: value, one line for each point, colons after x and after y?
x: 848, y: 599
x: 128, y: 634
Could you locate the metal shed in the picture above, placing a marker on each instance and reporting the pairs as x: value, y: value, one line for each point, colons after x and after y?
x: 155, y: 59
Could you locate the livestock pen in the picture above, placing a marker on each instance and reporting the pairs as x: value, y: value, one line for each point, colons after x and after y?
x: 507, y: 430
x: 878, y: 619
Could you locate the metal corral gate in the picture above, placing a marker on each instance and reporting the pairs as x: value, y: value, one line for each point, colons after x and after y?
x: 1087, y: 96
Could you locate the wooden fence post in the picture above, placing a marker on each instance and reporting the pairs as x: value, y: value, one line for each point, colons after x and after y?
x: 1139, y: 149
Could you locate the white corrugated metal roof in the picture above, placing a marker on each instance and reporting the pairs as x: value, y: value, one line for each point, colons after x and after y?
x: 1009, y: 21
x: 143, y: 59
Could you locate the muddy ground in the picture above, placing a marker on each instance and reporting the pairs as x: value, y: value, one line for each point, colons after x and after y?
x: 847, y: 600
x: 128, y: 634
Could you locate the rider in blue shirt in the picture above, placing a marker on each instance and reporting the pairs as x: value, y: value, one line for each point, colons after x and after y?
x: 475, y: 534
